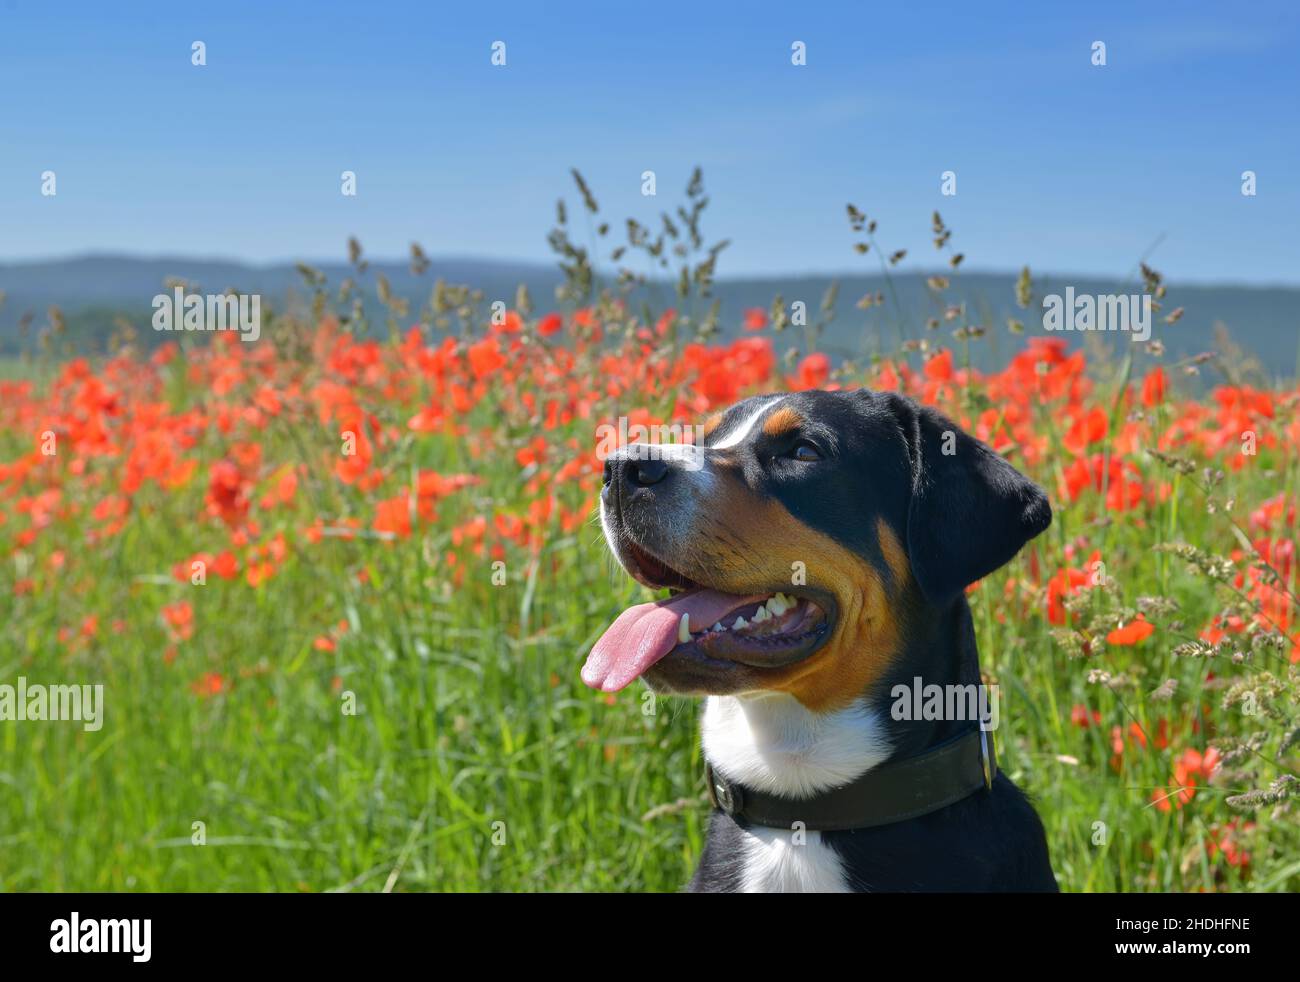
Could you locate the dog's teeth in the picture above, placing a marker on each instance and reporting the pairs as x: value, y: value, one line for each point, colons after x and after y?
x: 740, y: 622
x: 684, y: 629
x: 775, y: 607
x: 761, y: 615
x: 718, y: 627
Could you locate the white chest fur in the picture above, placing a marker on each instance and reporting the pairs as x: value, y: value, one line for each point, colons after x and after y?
x: 770, y: 742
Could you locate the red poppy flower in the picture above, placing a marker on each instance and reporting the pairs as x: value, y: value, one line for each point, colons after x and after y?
x: 1131, y: 633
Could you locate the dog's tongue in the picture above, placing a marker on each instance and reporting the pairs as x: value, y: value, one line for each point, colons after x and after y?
x: 645, y: 633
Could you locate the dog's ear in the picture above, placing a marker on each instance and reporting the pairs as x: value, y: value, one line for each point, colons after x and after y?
x: 970, y: 511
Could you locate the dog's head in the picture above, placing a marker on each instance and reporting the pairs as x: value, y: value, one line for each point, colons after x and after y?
x: 799, y: 540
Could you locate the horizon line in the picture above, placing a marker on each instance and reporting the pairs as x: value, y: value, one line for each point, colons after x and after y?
x: 541, y: 265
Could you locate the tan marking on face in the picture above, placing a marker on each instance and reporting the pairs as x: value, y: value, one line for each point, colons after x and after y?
x: 866, y: 637
x: 781, y: 422
x: 895, y: 555
x: 749, y: 543
x: 711, y: 424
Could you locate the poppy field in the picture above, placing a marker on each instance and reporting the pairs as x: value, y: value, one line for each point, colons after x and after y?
x: 337, y: 585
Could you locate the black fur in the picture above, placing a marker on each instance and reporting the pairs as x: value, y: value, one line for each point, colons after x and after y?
x: 987, y: 843
x: 960, y: 515
x: 970, y: 510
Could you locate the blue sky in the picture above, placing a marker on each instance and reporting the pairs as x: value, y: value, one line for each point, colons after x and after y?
x: 1069, y: 167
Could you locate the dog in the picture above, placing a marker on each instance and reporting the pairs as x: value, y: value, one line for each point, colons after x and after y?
x: 817, y: 546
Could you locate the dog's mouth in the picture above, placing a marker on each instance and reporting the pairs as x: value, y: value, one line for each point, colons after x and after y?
x: 762, y: 630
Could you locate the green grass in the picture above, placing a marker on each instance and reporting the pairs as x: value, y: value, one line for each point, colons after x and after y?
x: 470, y: 712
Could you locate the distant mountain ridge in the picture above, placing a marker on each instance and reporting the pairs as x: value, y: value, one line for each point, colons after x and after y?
x: 92, y: 290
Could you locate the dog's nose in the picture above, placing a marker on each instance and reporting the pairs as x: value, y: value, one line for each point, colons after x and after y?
x: 633, y: 470
x: 644, y: 473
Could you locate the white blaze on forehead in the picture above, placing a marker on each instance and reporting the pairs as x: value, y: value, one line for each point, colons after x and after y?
x: 661, y: 451
x: 737, y: 434
x: 690, y: 456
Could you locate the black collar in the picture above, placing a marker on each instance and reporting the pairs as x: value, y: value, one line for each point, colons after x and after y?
x: 892, y: 792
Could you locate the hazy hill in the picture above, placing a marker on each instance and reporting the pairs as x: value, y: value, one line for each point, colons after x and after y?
x: 92, y: 291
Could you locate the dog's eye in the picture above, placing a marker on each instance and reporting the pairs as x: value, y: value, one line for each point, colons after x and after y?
x: 805, y: 451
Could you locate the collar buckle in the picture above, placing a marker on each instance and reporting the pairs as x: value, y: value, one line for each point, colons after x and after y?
x: 987, y: 759
x: 722, y: 794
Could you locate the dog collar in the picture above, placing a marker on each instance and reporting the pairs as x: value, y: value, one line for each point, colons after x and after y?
x: 893, y: 792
